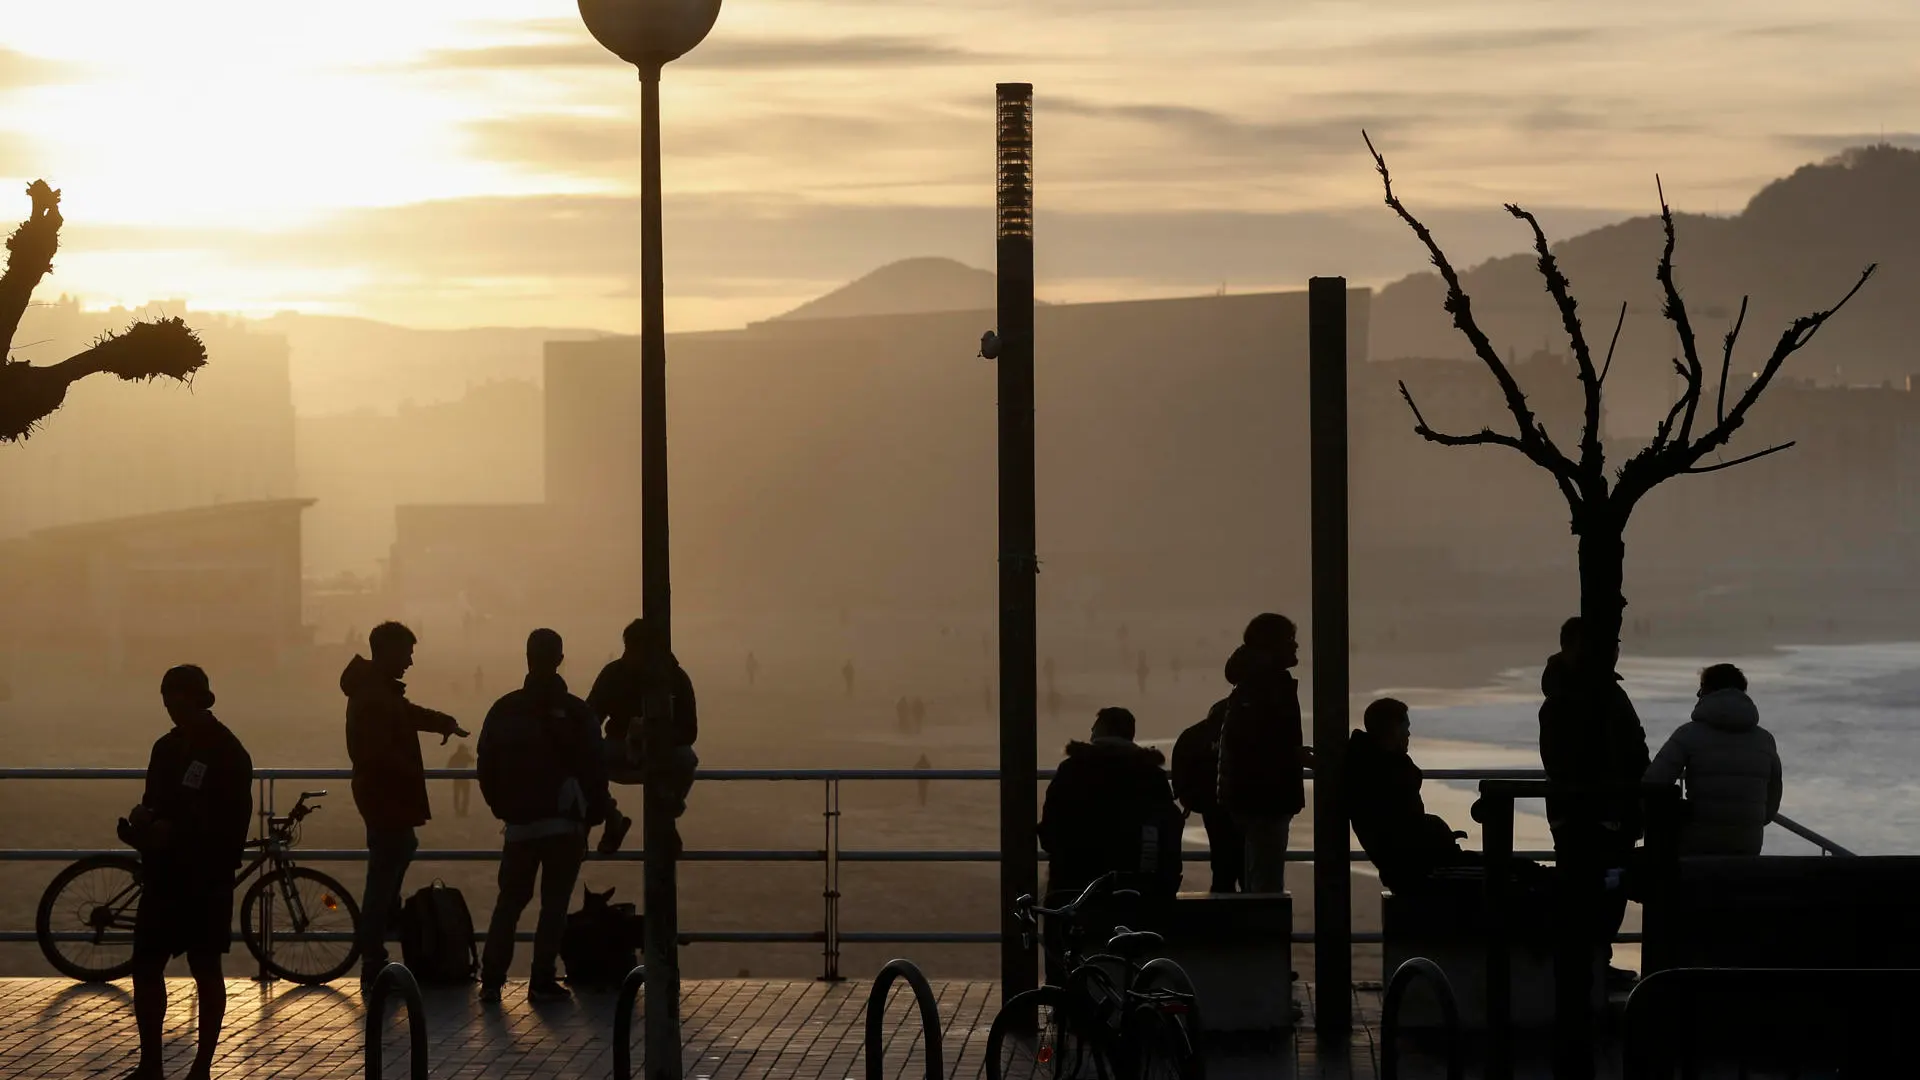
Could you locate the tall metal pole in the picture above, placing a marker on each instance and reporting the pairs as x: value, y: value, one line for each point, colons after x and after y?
x: 1332, y: 868
x: 661, y: 890
x: 1019, y: 635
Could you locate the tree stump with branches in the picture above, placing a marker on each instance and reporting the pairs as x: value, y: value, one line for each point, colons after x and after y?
x: 146, y: 350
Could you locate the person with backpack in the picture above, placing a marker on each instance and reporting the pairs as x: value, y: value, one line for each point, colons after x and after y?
x: 1196, y: 770
x: 389, y: 778
x: 543, y: 772
x: 1109, y: 808
x: 190, y: 829
x: 1262, y: 748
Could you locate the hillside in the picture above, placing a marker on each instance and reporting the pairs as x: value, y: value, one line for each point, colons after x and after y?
x: 907, y: 287
x: 1796, y: 246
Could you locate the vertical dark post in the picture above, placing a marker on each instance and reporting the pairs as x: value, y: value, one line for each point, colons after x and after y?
x: 1496, y: 838
x: 1332, y: 864
x: 1019, y: 860
x: 661, y: 889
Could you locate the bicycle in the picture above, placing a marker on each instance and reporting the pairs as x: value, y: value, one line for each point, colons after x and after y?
x: 1113, y: 1016
x: 86, y: 916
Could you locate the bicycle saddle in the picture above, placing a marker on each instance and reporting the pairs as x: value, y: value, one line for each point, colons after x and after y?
x: 1132, y: 943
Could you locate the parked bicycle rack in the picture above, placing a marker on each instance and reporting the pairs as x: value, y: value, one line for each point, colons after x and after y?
x: 391, y: 976
x: 623, y: 1022
x: 877, y: 1015
x: 1404, y: 976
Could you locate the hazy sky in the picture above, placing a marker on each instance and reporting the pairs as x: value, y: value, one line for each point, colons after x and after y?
x: 457, y: 162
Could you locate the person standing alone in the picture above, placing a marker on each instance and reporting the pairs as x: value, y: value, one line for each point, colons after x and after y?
x: 190, y: 829
x: 543, y: 771
x: 1262, y: 748
x: 389, y: 779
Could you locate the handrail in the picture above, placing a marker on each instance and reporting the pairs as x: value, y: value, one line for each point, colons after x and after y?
x: 389, y: 977
x: 877, y: 1014
x: 1405, y: 975
x: 623, y: 1022
x: 1826, y: 846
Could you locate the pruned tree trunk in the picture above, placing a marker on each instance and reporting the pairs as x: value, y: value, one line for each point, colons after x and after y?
x: 1603, y: 600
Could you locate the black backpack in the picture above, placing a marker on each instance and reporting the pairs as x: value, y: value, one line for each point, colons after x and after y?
x: 602, y: 941
x: 436, y: 936
x: 1195, y: 769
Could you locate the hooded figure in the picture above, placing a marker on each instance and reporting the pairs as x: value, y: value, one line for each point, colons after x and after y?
x: 1109, y: 808
x: 383, y: 741
x: 1260, y: 739
x: 1730, y: 766
x: 1404, y: 842
x: 1593, y: 747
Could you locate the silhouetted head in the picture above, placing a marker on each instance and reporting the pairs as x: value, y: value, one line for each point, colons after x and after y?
x: 185, y: 691
x: 1388, y: 721
x: 544, y: 652
x: 634, y: 637
x: 1570, y: 636
x: 1274, y: 635
x: 1114, y: 723
x: 391, y: 644
x: 1722, y: 677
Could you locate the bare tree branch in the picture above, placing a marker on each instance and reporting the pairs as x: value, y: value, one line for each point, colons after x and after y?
x: 1592, y: 457
x: 146, y: 350
x: 1718, y: 465
x: 1533, y: 439
x: 29, y: 256
x: 1617, y: 324
x: 1726, y: 362
x: 1485, y: 437
x: 1675, y: 310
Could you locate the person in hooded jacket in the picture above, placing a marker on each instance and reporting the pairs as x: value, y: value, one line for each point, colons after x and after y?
x: 389, y: 778
x: 1730, y: 766
x: 543, y: 771
x: 1404, y: 842
x: 1109, y: 808
x: 1262, y: 748
x: 619, y: 697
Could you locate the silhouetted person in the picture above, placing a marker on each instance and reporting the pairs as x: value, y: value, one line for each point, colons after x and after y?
x: 1262, y: 748
x: 1109, y: 808
x: 922, y: 783
x: 543, y: 771
x: 462, y: 758
x: 389, y: 780
x: 846, y: 676
x: 190, y: 829
x: 1140, y: 671
x: 753, y: 669
x: 1729, y: 764
x: 1404, y: 842
x: 619, y: 696
x: 1196, y: 782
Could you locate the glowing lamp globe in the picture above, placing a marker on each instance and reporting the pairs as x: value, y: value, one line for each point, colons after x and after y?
x: 649, y: 33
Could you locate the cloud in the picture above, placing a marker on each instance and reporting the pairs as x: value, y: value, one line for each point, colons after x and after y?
x: 19, y: 70
x: 764, y: 53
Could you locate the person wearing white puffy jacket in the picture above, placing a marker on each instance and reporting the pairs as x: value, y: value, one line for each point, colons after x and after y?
x: 1729, y: 764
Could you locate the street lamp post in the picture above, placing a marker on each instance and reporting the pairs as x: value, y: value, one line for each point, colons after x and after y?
x: 649, y: 34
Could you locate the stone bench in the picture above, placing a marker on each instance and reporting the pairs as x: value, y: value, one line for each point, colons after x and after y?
x: 1447, y: 925
x: 1238, y: 950
x: 1787, y: 911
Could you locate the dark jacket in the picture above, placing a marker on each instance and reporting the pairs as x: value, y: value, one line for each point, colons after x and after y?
x: 619, y: 697
x: 1260, y: 739
x: 1593, y: 748
x: 1403, y: 841
x: 1732, y: 772
x: 1196, y: 763
x: 535, y: 740
x: 1109, y: 808
x: 383, y: 741
x: 200, y: 785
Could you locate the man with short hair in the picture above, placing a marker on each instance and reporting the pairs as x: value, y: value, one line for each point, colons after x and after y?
x: 1405, y: 843
x: 1263, y: 749
x: 190, y: 829
x: 1109, y: 808
x: 389, y: 778
x: 619, y: 697
x: 543, y: 772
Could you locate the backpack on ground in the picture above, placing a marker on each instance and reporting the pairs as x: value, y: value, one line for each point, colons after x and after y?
x: 602, y: 941
x: 1195, y: 770
x: 436, y: 936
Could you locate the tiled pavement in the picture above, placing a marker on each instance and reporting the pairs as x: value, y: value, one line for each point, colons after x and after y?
x: 732, y: 1028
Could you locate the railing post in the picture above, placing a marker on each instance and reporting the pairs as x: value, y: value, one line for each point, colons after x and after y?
x: 1496, y: 830
x: 623, y: 1022
x: 389, y: 977
x: 1332, y: 859
x: 1404, y: 976
x: 830, y: 892
x: 877, y: 1014
x: 266, y: 907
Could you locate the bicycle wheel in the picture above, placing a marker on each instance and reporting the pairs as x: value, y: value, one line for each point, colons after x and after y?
x: 1036, y: 1037
x: 1167, y: 985
x: 314, y: 921
x: 85, y: 920
x: 1157, y: 1045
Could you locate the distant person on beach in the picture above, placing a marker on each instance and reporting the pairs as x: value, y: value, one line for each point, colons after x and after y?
x: 1196, y: 780
x: 190, y: 829
x: 1262, y: 748
x: 389, y: 780
x: 1729, y: 764
x: 1109, y: 808
x: 543, y: 771
x: 462, y: 758
x: 1404, y: 842
x: 846, y: 676
x: 922, y: 783
x: 753, y: 669
x: 619, y: 697
x: 1595, y: 753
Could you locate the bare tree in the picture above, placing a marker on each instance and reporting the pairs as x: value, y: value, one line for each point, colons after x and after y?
x: 1600, y: 505
x: 145, y: 350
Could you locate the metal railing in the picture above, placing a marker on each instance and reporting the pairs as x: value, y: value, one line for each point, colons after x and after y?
x: 830, y: 855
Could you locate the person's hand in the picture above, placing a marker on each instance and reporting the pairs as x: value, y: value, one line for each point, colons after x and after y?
x: 140, y: 816
x: 460, y: 732
x: 1306, y: 756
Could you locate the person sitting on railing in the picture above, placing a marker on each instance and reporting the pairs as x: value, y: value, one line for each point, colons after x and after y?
x: 1404, y: 842
x: 191, y: 830
x: 1730, y: 766
x: 619, y: 697
x: 543, y: 771
x: 1109, y: 808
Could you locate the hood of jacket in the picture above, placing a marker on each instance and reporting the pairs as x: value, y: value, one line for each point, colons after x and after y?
x: 1249, y: 665
x: 1728, y: 710
x: 1362, y: 744
x: 361, y: 679
x: 1556, y: 681
x: 1116, y: 748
